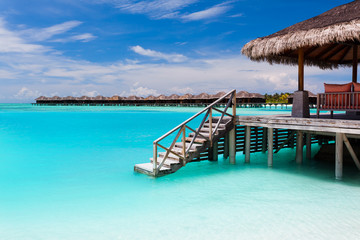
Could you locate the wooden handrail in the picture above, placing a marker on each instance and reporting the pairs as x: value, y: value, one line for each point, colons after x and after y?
x: 182, y: 129
x: 193, y: 117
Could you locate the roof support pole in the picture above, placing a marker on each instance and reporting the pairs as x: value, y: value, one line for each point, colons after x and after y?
x: 355, y: 63
x: 301, y: 69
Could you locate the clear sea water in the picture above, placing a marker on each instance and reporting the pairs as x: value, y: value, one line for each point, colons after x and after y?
x: 67, y: 173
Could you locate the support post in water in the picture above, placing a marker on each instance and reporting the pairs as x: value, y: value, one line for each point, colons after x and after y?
x: 247, y: 143
x: 308, y: 146
x: 299, y: 146
x: 232, y: 146
x: 270, y: 136
x: 339, y: 147
x: 264, y: 140
x: 226, y: 146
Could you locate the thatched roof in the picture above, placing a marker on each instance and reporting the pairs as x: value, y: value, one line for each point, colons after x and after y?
x: 218, y: 95
x: 41, y: 98
x: 115, y: 97
x: 201, y: 96
x: 151, y: 97
x: 174, y: 97
x: 186, y: 96
x: 161, y: 97
x: 327, y: 39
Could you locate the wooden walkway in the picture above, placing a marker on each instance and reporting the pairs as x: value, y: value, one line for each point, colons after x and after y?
x: 229, y: 133
x: 341, y: 128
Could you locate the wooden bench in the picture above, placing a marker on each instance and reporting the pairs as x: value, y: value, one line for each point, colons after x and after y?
x: 339, y: 97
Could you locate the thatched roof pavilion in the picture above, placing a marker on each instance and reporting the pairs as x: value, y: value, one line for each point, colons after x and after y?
x: 328, y: 40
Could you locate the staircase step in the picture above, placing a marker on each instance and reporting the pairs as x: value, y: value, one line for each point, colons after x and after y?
x: 194, y: 146
x: 168, y: 162
x: 180, y: 150
x: 147, y: 168
x: 224, y: 120
x: 202, y: 133
x: 206, y: 130
x: 197, y: 140
x: 221, y: 125
x: 170, y: 156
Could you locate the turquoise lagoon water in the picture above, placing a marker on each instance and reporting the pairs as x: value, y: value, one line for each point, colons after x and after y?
x: 67, y: 173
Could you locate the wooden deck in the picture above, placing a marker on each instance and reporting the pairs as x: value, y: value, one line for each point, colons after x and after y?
x: 341, y: 123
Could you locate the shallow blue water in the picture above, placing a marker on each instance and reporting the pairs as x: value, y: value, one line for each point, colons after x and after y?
x: 67, y: 173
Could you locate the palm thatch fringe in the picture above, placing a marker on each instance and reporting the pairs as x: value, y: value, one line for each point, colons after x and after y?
x: 271, y: 48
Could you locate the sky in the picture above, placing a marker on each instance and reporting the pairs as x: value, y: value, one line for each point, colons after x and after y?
x: 153, y: 47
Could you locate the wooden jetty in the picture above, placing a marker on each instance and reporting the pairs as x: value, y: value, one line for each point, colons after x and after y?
x: 230, y: 133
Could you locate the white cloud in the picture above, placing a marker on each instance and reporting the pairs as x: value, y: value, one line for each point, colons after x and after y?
x: 43, y: 34
x: 153, y: 8
x: 26, y: 74
x: 86, y: 37
x: 143, y: 92
x: 208, y: 13
x: 171, y: 9
x: 184, y: 90
x: 10, y: 42
x: 176, y: 58
x: 25, y: 93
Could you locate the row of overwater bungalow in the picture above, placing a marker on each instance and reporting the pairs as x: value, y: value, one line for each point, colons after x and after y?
x: 242, y: 97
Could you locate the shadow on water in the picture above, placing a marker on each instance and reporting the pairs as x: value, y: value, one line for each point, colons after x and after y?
x: 284, y: 163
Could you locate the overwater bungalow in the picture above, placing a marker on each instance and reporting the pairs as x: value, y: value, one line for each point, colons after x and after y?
x: 328, y: 41
x: 246, y: 97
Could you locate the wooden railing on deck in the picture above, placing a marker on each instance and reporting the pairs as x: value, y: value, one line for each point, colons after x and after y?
x: 343, y: 101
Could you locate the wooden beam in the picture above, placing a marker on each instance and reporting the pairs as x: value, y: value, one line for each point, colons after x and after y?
x: 309, y: 51
x: 335, y: 51
x: 301, y: 69
x: 355, y: 63
x: 324, y: 52
x: 344, y: 54
x: 339, y: 145
x: 247, y: 143
x: 299, y: 146
x: 351, y: 151
x: 270, y: 146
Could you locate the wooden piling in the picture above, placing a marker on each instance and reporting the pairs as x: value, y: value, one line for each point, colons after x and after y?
x: 264, y: 139
x: 270, y: 136
x: 232, y: 146
x: 308, y: 146
x: 299, y: 146
x: 339, y: 147
x: 226, y: 146
x: 213, y: 152
x: 247, y: 143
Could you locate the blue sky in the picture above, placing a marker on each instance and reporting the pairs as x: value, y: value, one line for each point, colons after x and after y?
x: 126, y: 47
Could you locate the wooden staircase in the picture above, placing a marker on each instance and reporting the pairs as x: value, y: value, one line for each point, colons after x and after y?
x: 211, y: 129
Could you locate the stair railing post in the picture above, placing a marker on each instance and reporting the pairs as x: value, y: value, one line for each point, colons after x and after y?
x: 155, y: 158
x: 234, y: 106
x: 183, y: 143
x: 210, y: 127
